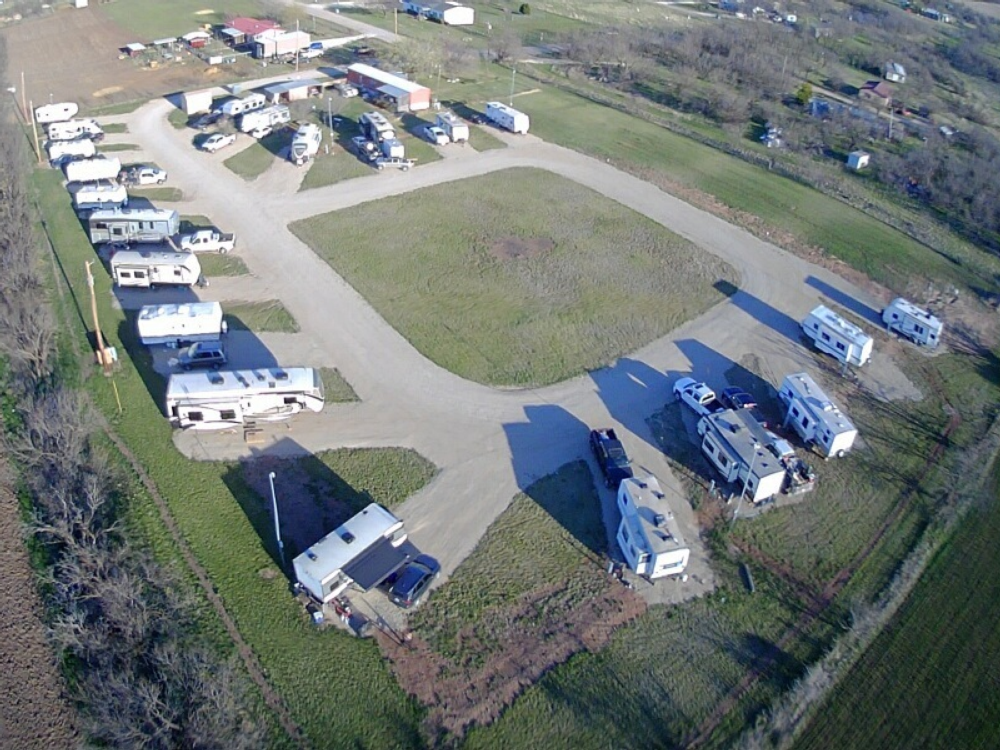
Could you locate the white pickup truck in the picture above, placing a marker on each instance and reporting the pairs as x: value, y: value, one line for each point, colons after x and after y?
x: 207, y: 241
x: 698, y: 396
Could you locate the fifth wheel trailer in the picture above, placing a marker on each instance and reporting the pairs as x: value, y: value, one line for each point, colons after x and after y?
x: 148, y: 225
x: 815, y: 417
x: 277, y: 114
x: 179, y: 325
x: 146, y: 269
x: 507, y: 118
x: 456, y: 128
x: 73, y: 129
x: 61, y: 151
x: 58, y: 112
x: 95, y: 168
x: 99, y: 195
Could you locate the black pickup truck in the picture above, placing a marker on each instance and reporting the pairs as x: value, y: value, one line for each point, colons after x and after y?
x: 611, y: 456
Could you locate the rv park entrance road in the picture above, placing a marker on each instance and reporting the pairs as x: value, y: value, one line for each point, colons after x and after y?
x: 488, y: 443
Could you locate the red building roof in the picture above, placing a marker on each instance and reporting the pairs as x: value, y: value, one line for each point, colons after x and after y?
x: 251, y: 26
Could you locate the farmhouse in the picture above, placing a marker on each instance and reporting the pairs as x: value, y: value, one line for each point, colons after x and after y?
x: 447, y: 13
x: 815, y: 417
x: 877, y: 92
x: 405, y: 95
x: 362, y: 552
x: 736, y: 445
x: 648, y: 534
x: 242, y: 30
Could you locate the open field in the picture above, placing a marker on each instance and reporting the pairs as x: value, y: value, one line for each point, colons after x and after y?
x: 505, y: 295
x: 148, y: 21
x: 260, y: 317
x: 222, y: 264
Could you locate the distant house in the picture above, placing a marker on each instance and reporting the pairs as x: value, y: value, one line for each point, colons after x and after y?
x: 447, y: 13
x: 858, y: 160
x: 241, y: 31
x: 895, y: 72
x: 275, y: 42
x: 877, y: 92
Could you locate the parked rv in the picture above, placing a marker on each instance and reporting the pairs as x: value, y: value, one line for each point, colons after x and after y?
x: 305, y: 143
x: 506, y: 117
x: 915, y: 323
x: 272, y: 117
x: 62, y: 151
x: 815, y: 417
x: 130, y: 225
x: 180, y: 325
x: 837, y: 337
x: 58, y: 112
x: 375, y: 127
x: 456, y: 128
x: 736, y: 446
x: 648, y: 534
x: 234, y: 107
x: 103, y: 195
x: 145, y: 268
x: 229, y: 398
x: 208, y: 241
x: 94, y: 168
x: 73, y: 129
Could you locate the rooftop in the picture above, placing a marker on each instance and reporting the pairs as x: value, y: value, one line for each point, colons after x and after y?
x: 350, y: 541
x: 818, y: 402
x: 390, y: 79
x: 251, y: 26
x: 186, y: 310
x: 746, y: 439
x: 839, y: 324
x: 649, y: 514
x: 224, y: 382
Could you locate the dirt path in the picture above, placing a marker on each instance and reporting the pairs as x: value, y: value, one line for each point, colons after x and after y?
x: 34, y: 713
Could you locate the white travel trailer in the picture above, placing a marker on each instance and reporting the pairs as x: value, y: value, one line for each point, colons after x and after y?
x: 648, y: 534
x: 305, y: 143
x: 61, y: 151
x: 99, y: 195
x: 73, y: 129
x: 179, y: 325
x: 736, y: 445
x: 375, y: 127
x: 230, y: 398
x: 915, y: 323
x: 837, y: 337
x: 364, y: 549
x: 815, y: 417
x: 148, y: 268
x: 95, y: 168
x: 393, y: 148
x: 456, y: 128
x: 133, y: 225
x: 507, y: 118
x: 58, y: 112
x: 249, y: 103
x: 277, y: 114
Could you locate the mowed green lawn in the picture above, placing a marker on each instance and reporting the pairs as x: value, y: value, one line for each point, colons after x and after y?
x: 156, y: 20
x: 544, y: 280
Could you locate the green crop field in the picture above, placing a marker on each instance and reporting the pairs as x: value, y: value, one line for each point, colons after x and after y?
x: 542, y: 282
x: 261, y: 317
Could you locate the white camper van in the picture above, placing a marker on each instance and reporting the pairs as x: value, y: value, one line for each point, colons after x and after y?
x: 249, y: 103
x: 815, y: 417
x: 179, y: 325
x: 94, y: 168
x: 915, y: 323
x: 145, y: 269
x: 148, y: 225
x: 268, y: 117
x: 375, y: 127
x: 102, y: 194
x: 305, y: 144
x: 837, y: 337
x: 73, y: 129
x: 648, y: 534
x: 58, y: 112
x: 507, y: 118
x: 229, y: 398
x: 456, y: 128
x: 61, y: 151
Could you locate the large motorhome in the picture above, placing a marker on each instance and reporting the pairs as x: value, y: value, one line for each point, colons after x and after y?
x: 179, y: 325
x: 99, y: 195
x: 230, y: 398
x: 507, y: 118
x: 73, y: 129
x: 915, y: 323
x: 133, y: 225
x: 305, y: 143
x: 95, y: 168
x: 375, y: 127
x: 61, y: 151
x: 648, y: 534
x: 145, y: 268
x: 277, y: 114
x: 58, y: 112
x: 837, y: 337
x: 815, y: 417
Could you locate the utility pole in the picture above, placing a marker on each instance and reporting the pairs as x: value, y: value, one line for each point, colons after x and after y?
x: 513, y: 75
x: 24, y: 100
x: 34, y: 132
x: 277, y: 527
x: 102, y: 352
x: 395, y: 21
x: 297, y: 50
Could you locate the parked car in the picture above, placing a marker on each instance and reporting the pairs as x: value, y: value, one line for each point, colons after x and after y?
x: 262, y: 132
x: 203, y: 354
x: 393, y: 162
x: 219, y: 140
x: 365, y: 149
x: 205, y: 120
x: 310, y: 53
x: 414, y: 580
x: 436, y: 135
x: 698, y: 396
x: 737, y: 398
x: 611, y: 457
x: 346, y: 90
x: 144, y: 174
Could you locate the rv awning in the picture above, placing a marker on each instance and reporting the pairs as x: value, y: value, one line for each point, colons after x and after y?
x: 393, y: 92
x: 378, y: 562
x: 165, y: 42
x: 135, y: 47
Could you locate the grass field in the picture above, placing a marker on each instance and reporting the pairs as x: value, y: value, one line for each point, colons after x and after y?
x: 156, y: 194
x: 158, y: 20
x: 222, y: 264
x: 266, y: 316
x: 252, y: 162
x: 178, y: 118
x: 505, y: 295
x: 335, y: 387
x: 113, y: 147
x: 482, y: 140
x: 115, y: 127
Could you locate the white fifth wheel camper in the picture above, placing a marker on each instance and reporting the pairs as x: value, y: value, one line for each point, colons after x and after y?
x: 815, y: 417
x: 73, y: 129
x: 277, y: 114
x: 915, y: 323
x: 179, y: 325
x: 305, y: 143
x: 60, y: 151
x: 249, y: 103
x: 507, y: 118
x: 102, y: 194
x: 133, y: 225
x: 95, y: 168
x: 736, y: 445
x: 57, y: 112
x: 229, y: 398
x: 837, y: 337
x: 144, y: 269
x: 648, y: 534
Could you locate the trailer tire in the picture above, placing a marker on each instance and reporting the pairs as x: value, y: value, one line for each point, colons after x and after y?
x: 840, y: 453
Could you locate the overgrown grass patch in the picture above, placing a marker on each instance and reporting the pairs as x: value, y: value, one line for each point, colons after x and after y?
x: 178, y: 118
x: 121, y: 108
x: 115, y: 127
x: 253, y: 161
x: 114, y: 147
x: 329, y: 169
x: 544, y: 281
x: 266, y: 316
x: 483, y: 140
x: 157, y: 194
x: 335, y: 386
x: 222, y: 264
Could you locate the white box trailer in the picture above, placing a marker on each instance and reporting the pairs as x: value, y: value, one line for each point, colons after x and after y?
x: 507, y: 118
x: 94, y: 168
x: 276, y: 114
x: 130, y: 225
x: 148, y: 268
x: 815, y: 417
x: 456, y: 128
x: 229, y: 398
x: 179, y: 325
x: 837, y: 337
x: 61, y: 151
x: 73, y: 129
x: 57, y: 112
x: 99, y: 195
x: 648, y: 534
x: 249, y: 103
x: 921, y: 327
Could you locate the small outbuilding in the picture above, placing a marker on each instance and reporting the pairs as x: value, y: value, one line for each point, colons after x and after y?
x: 196, y: 101
x: 895, y: 72
x: 275, y: 42
x: 404, y: 95
x: 134, y: 49
x: 447, y: 13
x: 858, y: 160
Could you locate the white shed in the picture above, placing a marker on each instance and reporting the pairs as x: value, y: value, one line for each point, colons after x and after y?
x: 196, y: 101
x: 858, y: 160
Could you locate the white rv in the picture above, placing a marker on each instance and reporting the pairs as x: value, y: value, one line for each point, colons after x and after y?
x: 73, y: 129
x: 305, y: 143
x: 249, y: 103
x: 736, y: 445
x: 393, y: 148
x: 146, y: 268
x: 507, y: 118
x: 365, y: 548
x: 58, y: 112
x: 61, y: 151
x: 456, y: 128
x: 837, y: 337
x: 648, y: 533
x: 95, y: 168
x: 375, y: 127
x: 99, y: 195
x: 815, y: 417
x: 272, y: 116
x: 915, y: 323
x: 133, y: 225
x: 230, y: 398
x: 179, y: 325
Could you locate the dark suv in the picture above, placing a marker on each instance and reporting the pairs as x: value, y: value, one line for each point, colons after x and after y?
x: 208, y: 354
x: 414, y: 580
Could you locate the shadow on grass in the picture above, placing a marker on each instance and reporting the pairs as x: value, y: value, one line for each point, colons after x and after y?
x: 846, y: 301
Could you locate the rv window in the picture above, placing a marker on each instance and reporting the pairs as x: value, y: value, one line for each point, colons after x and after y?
x: 291, y: 400
x: 840, y: 346
x: 177, y: 272
x: 625, y: 534
x: 805, y: 422
x: 140, y: 274
x: 228, y: 414
x: 723, y: 461
x: 195, y: 416
x: 918, y: 329
x: 795, y: 412
x: 125, y: 274
x: 643, y: 558
x: 825, y: 336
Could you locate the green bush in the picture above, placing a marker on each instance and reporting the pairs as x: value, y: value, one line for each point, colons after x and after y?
x: 525, y: 9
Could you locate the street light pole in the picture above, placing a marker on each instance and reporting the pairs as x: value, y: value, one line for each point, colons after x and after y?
x: 513, y: 75
x: 756, y: 447
x: 277, y: 526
